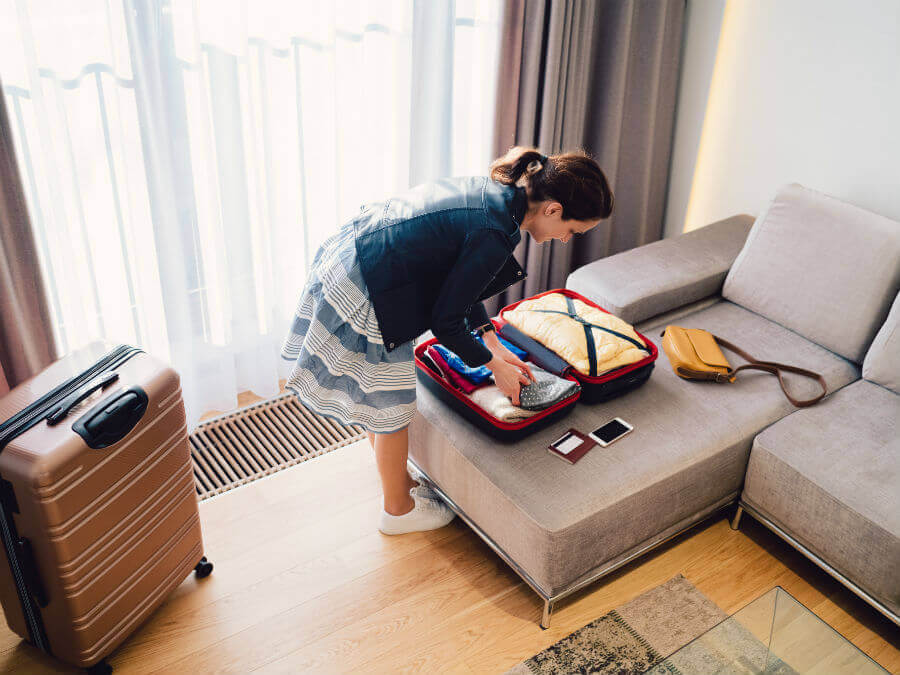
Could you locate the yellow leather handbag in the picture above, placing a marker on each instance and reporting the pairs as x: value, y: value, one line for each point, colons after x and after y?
x: 695, y: 355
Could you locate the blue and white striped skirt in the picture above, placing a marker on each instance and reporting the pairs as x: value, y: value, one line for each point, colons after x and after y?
x: 341, y: 368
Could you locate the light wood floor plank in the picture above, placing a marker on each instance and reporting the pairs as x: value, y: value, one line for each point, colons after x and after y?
x: 405, y: 620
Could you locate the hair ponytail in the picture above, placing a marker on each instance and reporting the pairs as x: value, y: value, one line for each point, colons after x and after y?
x: 572, y: 178
x: 510, y: 168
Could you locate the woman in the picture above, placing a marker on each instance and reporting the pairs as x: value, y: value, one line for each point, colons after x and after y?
x: 425, y: 259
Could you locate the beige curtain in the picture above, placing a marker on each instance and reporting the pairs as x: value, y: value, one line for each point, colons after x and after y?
x: 26, y: 334
x: 597, y: 75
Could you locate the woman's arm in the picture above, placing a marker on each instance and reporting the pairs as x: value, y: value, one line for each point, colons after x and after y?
x: 477, y: 316
x: 482, y: 255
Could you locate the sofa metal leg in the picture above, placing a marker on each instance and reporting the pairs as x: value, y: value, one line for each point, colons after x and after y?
x: 736, y: 521
x: 545, y: 619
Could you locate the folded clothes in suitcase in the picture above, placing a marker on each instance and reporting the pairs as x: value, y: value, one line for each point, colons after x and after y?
x: 98, y: 509
x: 592, y: 388
x: 596, y: 385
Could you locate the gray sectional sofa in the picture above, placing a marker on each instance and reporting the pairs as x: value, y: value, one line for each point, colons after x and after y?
x: 810, y: 282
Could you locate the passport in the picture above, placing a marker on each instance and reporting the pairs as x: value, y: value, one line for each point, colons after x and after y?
x: 571, y: 446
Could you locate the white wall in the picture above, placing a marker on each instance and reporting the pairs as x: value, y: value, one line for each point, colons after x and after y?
x: 703, y: 19
x: 798, y: 90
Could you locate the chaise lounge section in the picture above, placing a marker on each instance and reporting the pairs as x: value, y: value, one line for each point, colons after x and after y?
x: 827, y: 478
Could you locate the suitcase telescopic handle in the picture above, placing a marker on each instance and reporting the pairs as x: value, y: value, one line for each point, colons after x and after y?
x: 59, y: 411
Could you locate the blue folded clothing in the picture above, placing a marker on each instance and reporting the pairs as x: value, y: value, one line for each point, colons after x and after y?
x: 509, y: 345
x: 477, y: 375
x: 480, y: 374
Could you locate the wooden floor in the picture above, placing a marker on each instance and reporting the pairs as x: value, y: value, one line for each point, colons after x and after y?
x: 305, y: 582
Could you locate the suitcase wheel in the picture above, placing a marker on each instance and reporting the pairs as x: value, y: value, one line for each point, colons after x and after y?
x: 100, y: 668
x: 204, y: 568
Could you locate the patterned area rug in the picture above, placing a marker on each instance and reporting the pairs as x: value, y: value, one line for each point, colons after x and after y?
x: 637, y: 636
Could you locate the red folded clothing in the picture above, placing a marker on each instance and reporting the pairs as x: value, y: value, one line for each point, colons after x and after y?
x: 451, y: 375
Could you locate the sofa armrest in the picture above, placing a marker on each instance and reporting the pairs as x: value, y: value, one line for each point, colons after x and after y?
x: 644, y: 281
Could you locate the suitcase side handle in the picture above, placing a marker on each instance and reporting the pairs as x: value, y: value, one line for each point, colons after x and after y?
x: 59, y: 411
x: 30, y: 572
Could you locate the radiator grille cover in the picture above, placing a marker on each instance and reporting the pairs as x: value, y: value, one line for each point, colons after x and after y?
x: 245, y: 445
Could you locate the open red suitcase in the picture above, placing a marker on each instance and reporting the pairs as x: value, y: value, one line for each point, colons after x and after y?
x: 594, y: 389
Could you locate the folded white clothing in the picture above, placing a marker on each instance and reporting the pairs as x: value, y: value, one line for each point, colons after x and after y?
x: 496, y: 403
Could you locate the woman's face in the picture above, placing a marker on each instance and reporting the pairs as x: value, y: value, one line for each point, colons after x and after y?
x: 545, y: 222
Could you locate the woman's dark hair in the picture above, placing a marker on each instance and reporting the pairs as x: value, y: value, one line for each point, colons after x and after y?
x: 571, y: 178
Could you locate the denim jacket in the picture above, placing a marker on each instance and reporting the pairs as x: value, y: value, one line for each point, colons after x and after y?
x: 431, y: 254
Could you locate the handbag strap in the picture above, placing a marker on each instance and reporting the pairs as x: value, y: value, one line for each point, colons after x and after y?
x: 588, y: 333
x: 774, y: 368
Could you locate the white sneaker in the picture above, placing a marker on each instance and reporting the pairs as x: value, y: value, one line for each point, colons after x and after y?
x: 423, y: 489
x: 414, y: 472
x: 427, y: 514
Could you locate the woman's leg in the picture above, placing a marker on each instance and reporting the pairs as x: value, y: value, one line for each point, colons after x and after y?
x: 391, y: 452
x: 410, y: 481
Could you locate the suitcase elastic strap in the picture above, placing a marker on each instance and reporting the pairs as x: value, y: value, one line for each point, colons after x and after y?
x: 588, y: 333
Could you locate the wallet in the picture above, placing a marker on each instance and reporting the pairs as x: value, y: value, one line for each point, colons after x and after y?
x: 571, y: 446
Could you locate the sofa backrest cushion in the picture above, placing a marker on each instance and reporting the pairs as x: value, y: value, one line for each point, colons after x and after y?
x: 823, y: 268
x: 882, y: 362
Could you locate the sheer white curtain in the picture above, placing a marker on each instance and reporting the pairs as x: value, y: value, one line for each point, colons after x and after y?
x: 184, y: 160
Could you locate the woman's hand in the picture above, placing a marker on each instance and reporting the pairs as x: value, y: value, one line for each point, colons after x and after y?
x: 509, y: 371
x: 508, y: 378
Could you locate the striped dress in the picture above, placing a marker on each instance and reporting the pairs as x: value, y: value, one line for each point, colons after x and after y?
x: 339, y: 365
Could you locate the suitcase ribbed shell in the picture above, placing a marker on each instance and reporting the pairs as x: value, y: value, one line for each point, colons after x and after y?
x: 113, y: 530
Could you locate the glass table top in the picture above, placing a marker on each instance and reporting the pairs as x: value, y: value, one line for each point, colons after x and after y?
x: 773, y: 635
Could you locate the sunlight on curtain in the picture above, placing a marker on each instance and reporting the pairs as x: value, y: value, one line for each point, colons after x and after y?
x: 184, y: 160
x: 475, y: 66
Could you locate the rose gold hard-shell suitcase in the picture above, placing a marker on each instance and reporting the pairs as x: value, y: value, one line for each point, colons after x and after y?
x: 98, y: 510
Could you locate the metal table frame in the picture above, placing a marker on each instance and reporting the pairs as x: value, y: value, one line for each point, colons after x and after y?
x: 756, y: 515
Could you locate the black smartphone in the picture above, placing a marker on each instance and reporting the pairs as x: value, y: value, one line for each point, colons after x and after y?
x: 611, y: 431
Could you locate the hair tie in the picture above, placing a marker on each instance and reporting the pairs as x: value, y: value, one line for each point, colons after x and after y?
x: 536, y: 165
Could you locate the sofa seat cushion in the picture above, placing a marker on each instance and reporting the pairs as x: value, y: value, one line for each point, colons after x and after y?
x: 821, y: 267
x: 829, y: 476
x: 686, y: 456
